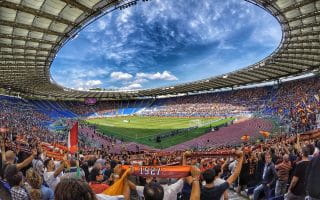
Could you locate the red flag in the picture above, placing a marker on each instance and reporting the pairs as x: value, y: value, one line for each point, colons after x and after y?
x: 245, y: 138
x: 265, y: 133
x: 73, y: 139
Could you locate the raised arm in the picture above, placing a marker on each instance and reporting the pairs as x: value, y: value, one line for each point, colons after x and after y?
x: 195, y: 192
x: 184, y: 157
x: 27, y: 161
x: 237, y: 170
x: 60, y: 169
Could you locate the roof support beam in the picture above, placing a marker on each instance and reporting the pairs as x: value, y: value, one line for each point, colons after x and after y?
x: 296, y: 5
x: 295, y: 62
x: 304, y: 26
x: 22, y: 54
x: 24, y: 47
x: 297, y: 52
x: 31, y: 28
x: 299, y: 58
x: 258, y: 71
x: 290, y: 66
x: 74, y: 3
x: 228, y: 81
x: 239, y: 78
x: 302, y: 47
x: 22, y: 64
x: 304, y: 34
x: 15, y: 37
x: 302, y: 41
x: 23, y: 59
x: 278, y: 68
x: 272, y: 71
x: 39, y: 13
x: 254, y: 74
x: 215, y: 84
x: 300, y: 17
x: 248, y: 76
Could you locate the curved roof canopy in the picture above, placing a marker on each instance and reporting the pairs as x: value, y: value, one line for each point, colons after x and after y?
x: 32, y: 32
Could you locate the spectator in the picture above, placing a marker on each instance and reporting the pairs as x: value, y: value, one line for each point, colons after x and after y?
x: 72, y: 189
x: 297, y: 188
x: 37, y: 190
x: 96, y: 183
x: 313, y: 178
x: 283, y: 170
x: 268, y: 179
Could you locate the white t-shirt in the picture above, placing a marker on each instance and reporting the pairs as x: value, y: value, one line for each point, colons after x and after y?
x: 51, y: 180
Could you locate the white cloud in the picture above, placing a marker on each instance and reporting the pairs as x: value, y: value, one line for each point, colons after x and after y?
x: 132, y: 86
x: 120, y: 76
x: 80, y: 84
x: 93, y: 83
x: 165, y: 75
x: 140, y: 80
x: 101, y: 25
x: 80, y: 72
x: 267, y: 37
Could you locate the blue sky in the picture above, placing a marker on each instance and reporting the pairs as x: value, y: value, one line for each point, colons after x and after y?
x: 165, y: 42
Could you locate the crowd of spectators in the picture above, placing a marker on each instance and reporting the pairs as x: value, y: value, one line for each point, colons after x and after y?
x: 281, y: 167
x: 296, y: 103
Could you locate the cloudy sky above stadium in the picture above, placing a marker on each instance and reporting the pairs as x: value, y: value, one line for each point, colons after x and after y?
x: 165, y: 42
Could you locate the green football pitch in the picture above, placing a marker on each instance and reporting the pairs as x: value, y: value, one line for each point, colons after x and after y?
x: 144, y: 129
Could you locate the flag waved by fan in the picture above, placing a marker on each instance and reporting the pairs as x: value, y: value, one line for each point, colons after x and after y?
x: 265, y: 134
x: 245, y: 138
x: 73, y: 139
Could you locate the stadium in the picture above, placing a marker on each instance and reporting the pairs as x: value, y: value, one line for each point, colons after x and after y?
x: 248, y: 133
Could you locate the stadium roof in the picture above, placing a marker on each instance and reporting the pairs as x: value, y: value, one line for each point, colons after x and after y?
x: 33, y: 31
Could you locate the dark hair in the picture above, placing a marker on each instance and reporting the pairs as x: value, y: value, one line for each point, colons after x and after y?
x: 153, y: 191
x: 311, y: 148
x: 15, y: 180
x: 209, y: 175
x: 305, y: 151
x: 217, y: 169
x: 12, y: 175
x: 71, y: 189
x: 73, y: 163
x: 46, y: 163
x: 94, y: 173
